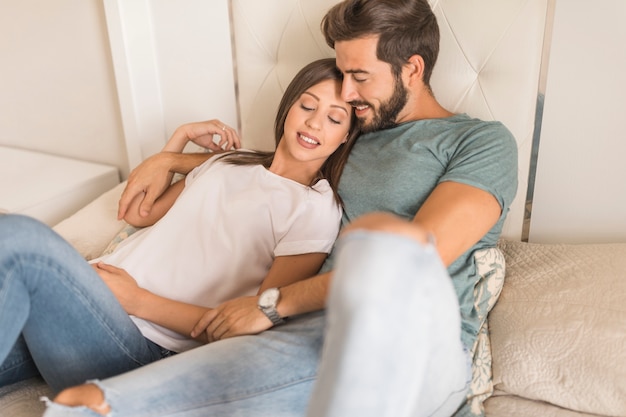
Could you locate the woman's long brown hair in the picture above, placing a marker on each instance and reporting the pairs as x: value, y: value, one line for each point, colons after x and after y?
x: 307, y: 77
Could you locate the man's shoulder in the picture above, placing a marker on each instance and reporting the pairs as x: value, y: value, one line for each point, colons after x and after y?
x: 471, y: 131
x: 444, y: 136
x: 454, y: 124
x: 464, y: 122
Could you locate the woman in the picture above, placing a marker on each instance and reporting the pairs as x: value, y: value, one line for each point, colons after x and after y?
x: 241, y: 223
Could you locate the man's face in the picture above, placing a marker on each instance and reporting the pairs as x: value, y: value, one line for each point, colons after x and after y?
x: 369, y: 85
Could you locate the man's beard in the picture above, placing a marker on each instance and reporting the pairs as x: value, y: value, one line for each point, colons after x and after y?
x: 385, y: 117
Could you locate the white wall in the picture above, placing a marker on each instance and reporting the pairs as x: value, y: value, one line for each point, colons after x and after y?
x: 173, y: 64
x: 57, y: 91
x: 580, y: 191
x: 66, y: 67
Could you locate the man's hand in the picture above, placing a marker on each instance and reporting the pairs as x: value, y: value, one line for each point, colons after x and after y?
x: 237, y: 317
x: 147, y: 181
x: 152, y: 177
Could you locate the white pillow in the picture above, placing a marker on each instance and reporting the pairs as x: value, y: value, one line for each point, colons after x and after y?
x: 93, y: 227
x: 558, y: 331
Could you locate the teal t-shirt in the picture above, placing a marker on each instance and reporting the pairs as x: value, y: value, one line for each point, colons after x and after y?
x: 395, y: 170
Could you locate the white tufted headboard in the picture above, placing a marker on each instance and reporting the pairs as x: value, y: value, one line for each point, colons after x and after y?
x: 489, y: 65
x: 269, y: 52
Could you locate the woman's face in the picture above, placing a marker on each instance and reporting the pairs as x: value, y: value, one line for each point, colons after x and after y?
x: 317, y: 123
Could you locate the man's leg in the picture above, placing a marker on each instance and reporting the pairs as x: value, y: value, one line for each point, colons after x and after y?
x: 72, y: 325
x: 393, y: 345
x: 266, y: 375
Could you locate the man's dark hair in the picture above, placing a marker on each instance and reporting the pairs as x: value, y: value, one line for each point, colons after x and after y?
x: 405, y: 28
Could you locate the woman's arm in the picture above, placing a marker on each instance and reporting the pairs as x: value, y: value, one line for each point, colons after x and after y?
x: 237, y: 317
x: 203, y: 134
x: 242, y: 315
x: 174, y: 315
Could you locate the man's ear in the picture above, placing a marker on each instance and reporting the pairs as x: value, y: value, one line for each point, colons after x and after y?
x: 414, y: 69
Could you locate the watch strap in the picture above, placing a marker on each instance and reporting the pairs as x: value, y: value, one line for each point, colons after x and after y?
x: 272, y: 314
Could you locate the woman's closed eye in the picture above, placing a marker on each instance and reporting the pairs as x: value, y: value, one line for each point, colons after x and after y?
x: 333, y: 119
x: 337, y: 122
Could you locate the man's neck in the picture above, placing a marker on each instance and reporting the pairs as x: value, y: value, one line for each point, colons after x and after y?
x: 422, y: 106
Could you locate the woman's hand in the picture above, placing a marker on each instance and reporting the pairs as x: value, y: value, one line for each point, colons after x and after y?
x: 122, y: 285
x: 237, y: 317
x: 203, y: 134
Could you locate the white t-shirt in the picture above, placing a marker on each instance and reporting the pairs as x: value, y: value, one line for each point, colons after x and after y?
x: 219, y: 239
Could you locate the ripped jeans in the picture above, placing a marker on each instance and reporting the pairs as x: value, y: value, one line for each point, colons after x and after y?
x: 392, y: 349
x: 57, y: 317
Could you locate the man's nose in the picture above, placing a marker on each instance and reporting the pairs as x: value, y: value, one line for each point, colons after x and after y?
x: 348, y: 92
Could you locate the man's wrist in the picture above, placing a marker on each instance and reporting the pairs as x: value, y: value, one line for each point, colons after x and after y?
x: 304, y: 296
x: 183, y: 163
x: 267, y: 303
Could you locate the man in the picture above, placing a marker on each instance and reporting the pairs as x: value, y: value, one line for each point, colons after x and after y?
x: 396, y: 345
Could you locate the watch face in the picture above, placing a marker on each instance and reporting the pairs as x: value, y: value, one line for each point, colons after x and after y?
x: 269, y: 297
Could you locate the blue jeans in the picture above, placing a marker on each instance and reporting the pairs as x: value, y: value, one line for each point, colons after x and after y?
x: 393, y: 337
x: 57, y: 317
x: 393, y: 348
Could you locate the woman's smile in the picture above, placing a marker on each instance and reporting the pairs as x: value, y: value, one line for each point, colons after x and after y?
x: 308, y: 141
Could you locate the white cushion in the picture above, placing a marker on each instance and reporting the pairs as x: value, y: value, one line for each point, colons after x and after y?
x: 93, y: 227
x: 558, y: 331
x: 511, y: 406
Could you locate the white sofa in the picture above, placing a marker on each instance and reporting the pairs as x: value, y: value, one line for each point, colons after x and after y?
x: 556, y: 332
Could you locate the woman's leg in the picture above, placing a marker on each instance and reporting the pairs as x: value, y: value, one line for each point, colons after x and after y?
x: 18, y: 365
x: 72, y: 324
x: 393, y: 337
x: 267, y: 375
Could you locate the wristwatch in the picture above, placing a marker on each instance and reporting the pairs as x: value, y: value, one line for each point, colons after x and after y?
x: 267, y: 304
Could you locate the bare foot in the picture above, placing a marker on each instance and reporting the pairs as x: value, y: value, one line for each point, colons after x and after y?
x: 88, y: 395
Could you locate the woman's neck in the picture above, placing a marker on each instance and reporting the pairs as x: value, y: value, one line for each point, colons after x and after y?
x: 298, y: 171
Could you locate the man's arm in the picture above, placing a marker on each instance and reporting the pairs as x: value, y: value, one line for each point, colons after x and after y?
x: 304, y: 296
x: 458, y: 216
x: 455, y: 214
x: 153, y: 176
x: 161, y: 206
